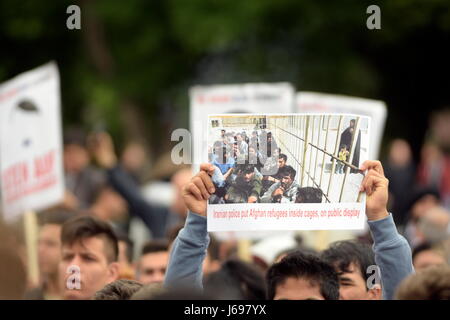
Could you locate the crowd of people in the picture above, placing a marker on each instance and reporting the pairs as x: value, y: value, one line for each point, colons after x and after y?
x: 85, y: 250
x: 254, y: 170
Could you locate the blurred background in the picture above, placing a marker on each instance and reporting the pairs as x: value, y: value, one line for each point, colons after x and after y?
x: 128, y: 71
x: 129, y: 68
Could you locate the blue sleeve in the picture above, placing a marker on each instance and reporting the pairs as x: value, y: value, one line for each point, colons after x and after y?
x: 392, y: 254
x: 154, y: 217
x: 187, y: 255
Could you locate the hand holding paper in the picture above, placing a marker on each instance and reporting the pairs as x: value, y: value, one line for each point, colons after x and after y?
x: 375, y: 184
x: 199, y: 189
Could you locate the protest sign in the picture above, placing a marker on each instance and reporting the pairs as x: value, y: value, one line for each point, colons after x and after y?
x: 327, y: 103
x: 239, y: 98
x: 30, y: 142
x: 304, y: 177
x: 235, y: 98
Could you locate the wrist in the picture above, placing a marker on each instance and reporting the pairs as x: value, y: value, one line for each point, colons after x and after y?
x: 377, y: 215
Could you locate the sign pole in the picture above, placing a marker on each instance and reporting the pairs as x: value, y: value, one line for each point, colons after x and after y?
x: 31, y: 237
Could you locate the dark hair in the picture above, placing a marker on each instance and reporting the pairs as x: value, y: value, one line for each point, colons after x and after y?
x: 420, y: 248
x: 282, y: 156
x: 430, y: 284
x: 155, y: 246
x: 310, y: 267
x: 245, y: 168
x: 236, y: 280
x: 213, y: 248
x: 76, y: 136
x: 121, y: 289
x: 287, y: 171
x: 309, y: 195
x: 341, y: 254
x: 121, y: 236
x: 85, y: 226
x: 56, y: 216
x: 419, y: 193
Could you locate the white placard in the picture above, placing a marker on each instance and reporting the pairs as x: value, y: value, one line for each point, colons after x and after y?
x: 328, y: 103
x: 236, y: 98
x: 31, y: 142
x: 317, y: 186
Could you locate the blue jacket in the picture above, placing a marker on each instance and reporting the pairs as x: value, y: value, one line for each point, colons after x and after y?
x: 392, y: 254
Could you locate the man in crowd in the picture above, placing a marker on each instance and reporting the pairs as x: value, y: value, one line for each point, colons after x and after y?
x: 392, y: 252
x: 300, y: 276
x: 246, y: 187
x: 242, y: 147
x: 49, y: 255
x: 82, y: 180
x: 309, y: 195
x: 353, y: 263
x: 285, y: 190
x: 153, y: 262
x: 427, y: 255
x: 89, y: 257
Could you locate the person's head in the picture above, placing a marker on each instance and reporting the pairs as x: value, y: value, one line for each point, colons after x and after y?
x: 90, y: 250
x: 400, y: 153
x: 252, y: 152
x: 109, y: 205
x: 433, y: 225
x: 352, y: 123
x: 287, y: 174
x: 153, y: 262
x: 49, y: 240
x: 352, y: 262
x: 239, y: 137
x: 212, y: 259
x: 217, y: 147
x: 246, y: 172
x: 133, y: 157
x: 431, y: 284
x: 300, y: 276
x: 422, y: 200
x: 282, y: 159
x: 121, y: 289
x: 309, y: 195
x: 236, y: 280
x: 222, y: 132
x: 344, y: 147
x: 425, y: 255
x: 76, y: 155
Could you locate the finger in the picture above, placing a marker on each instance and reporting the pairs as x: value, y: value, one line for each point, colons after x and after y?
x: 372, y: 164
x: 195, y: 191
x: 208, y: 168
x: 201, y: 186
x: 372, y: 183
x: 207, y: 181
x: 375, y: 173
